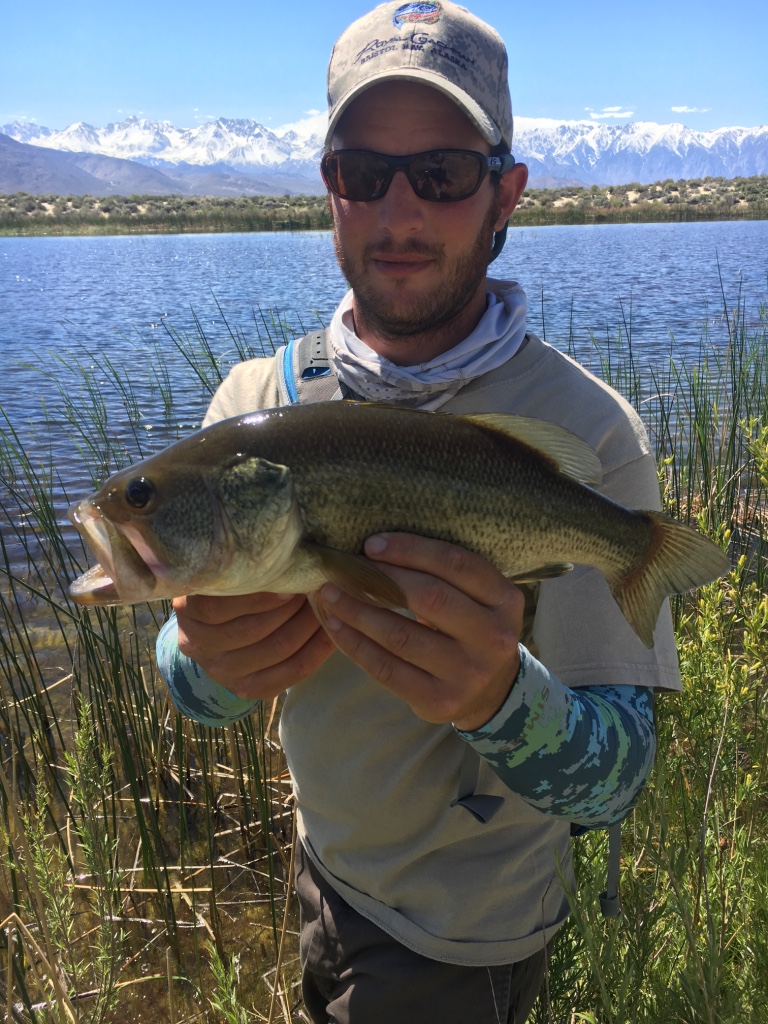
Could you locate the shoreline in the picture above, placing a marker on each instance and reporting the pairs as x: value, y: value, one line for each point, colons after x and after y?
x: 707, y: 199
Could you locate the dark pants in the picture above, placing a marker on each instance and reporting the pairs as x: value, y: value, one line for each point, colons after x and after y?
x: 355, y: 973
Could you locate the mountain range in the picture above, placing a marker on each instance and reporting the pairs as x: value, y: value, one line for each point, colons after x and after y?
x: 228, y: 157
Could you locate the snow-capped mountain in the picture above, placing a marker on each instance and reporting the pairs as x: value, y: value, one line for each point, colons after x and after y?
x: 26, y: 131
x: 643, y: 151
x: 237, y: 143
x: 286, y: 158
x: 221, y: 157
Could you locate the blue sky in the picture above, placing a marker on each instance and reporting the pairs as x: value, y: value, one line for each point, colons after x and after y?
x: 97, y: 62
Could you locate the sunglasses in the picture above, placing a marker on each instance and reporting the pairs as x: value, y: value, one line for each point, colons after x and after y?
x: 440, y: 176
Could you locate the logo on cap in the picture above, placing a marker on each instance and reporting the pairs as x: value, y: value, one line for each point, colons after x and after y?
x: 426, y: 12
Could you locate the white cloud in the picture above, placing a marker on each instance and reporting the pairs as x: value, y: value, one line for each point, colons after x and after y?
x: 607, y: 112
x: 690, y: 110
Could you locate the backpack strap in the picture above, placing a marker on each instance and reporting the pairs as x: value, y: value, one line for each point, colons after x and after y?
x: 304, y: 371
x: 610, y: 904
x: 481, y: 806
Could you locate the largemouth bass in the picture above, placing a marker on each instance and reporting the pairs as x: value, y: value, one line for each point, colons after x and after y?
x: 283, y: 500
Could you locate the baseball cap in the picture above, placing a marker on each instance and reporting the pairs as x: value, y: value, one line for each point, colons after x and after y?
x: 435, y: 42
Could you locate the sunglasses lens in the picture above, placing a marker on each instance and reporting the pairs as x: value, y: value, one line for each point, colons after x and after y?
x: 441, y: 176
x: 357, y: 175
x: 445, y: 176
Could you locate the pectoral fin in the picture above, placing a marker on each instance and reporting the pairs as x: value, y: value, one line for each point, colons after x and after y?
x: 544, y: 572
x: 358, y: 577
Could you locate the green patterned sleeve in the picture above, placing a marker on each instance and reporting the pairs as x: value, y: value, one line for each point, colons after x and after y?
x: 583, y: 754
x: 193, y: 692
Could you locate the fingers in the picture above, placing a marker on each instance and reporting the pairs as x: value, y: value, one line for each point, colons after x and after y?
x: 269, y: 682
x: 463, y: 569
x: 443, y: 678
x: 467, y: 641
x: 236, y: 626
x: 458, y: 660
x: 355, y: 635
x: 216, y: 609
x: 449, y: 587
x: 267, y: 646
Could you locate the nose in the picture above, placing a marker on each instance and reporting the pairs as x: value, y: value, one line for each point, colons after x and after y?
x: 400, y: 211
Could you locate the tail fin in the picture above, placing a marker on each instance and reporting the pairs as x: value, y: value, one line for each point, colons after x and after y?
x: 681, y: 560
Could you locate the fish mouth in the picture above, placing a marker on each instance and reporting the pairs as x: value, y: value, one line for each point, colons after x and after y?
x: 118, y: 559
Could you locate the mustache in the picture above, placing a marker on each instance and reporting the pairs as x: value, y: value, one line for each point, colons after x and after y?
x: 412, y: 247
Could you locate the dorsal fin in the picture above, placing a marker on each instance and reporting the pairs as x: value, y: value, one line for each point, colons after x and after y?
x: 572, y: 456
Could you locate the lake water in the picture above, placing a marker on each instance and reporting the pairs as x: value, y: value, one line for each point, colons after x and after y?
x: 69, y: 302
x: 54, y: 288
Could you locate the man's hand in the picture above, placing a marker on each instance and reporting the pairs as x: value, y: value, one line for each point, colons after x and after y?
x: 255, y: 645
x: 458, y: 662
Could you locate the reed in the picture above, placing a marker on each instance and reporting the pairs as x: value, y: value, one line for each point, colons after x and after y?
x: 145, y: 859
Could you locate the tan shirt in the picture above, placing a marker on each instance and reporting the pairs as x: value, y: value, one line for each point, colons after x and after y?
x: 375, y: 784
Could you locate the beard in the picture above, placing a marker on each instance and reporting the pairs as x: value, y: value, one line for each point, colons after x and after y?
x: 394, y: 318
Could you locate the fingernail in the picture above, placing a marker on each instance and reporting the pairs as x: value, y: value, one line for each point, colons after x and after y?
x: 375, y: 545
x: 333, y: 623
x: 330, y: 593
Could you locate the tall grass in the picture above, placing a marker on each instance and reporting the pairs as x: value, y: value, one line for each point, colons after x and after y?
x: 145, y: 860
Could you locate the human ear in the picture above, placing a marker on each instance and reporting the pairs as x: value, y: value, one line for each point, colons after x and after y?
x: 511, y: 187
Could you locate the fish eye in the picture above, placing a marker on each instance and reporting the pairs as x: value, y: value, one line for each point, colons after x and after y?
x: 139, y: 492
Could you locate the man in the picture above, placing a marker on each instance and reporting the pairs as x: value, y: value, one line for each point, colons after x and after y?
x: 438, y: 760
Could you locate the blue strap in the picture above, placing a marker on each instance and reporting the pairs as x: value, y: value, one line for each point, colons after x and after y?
x: 290, y: 382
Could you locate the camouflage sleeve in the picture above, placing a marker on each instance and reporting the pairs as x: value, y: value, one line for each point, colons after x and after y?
x: 193, y: 692
x: 583, y: 754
